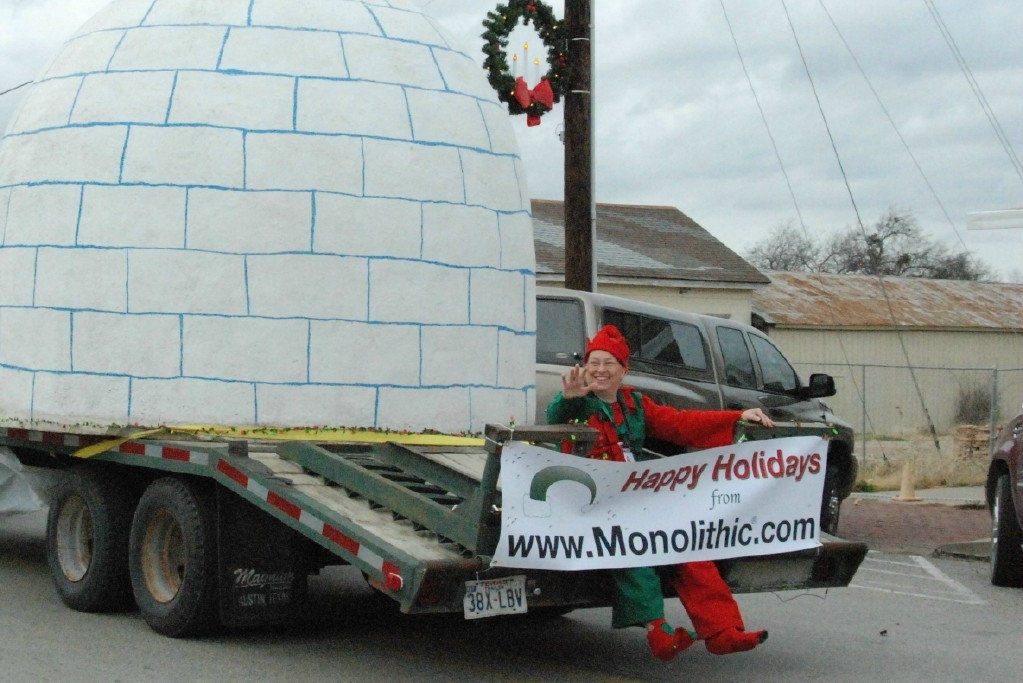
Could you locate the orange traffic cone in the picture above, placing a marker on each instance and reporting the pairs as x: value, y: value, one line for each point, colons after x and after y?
x: 907, y: 493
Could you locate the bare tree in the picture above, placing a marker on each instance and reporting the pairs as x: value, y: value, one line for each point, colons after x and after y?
x: 895, y: 245
x: 785, y: 248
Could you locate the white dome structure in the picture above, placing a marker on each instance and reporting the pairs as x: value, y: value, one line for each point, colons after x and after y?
x: 264, y: 212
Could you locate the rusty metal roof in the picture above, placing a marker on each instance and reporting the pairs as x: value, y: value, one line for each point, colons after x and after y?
x: 825, y: 300
x: 642, y: 242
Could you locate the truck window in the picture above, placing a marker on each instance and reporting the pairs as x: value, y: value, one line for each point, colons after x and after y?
x: 738, y: 362
x: 560, y: 332
x: 663, y: 346
x: 777, y: 373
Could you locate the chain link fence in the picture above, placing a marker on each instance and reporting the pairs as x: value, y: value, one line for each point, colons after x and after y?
x: 882, y: 401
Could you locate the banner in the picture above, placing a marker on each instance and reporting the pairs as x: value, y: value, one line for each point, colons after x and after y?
x: 568, y: 513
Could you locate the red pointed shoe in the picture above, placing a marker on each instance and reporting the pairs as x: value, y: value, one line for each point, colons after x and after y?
x: 734, y: 640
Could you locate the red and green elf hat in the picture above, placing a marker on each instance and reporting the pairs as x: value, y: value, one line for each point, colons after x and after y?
x: 609, y: 339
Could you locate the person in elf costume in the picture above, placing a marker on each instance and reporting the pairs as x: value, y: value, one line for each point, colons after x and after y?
x: 594, y: 394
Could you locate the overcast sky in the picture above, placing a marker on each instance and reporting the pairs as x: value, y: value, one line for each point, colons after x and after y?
x: 678, y: 125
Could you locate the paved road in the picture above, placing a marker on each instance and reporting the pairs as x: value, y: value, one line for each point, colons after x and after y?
x: 907, y: 618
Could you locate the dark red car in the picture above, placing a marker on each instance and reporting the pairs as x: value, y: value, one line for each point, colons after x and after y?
x: 1005, y: 500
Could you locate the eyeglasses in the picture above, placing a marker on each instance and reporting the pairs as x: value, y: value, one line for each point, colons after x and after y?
x: 600, y: 365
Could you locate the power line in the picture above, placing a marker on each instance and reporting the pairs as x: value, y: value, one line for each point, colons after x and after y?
x: 975, y: 86
x: 860, y: 391
x: 863, y: 230
x: 763, y: 116
x: 895, y: 127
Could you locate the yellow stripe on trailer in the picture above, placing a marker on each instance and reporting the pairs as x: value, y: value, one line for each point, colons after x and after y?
x: 288, y: 434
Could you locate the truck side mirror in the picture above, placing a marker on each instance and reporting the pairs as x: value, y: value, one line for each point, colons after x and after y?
x: 819, y: 386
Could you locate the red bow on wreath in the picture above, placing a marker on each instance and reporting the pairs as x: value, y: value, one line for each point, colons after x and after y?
x: 541, y: 94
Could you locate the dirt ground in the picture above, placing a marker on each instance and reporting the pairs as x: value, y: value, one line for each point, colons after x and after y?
x: 957, y: 463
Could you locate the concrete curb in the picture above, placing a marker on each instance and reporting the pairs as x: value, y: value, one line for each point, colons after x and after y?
x: 960, y: 496
x: 971, y: 550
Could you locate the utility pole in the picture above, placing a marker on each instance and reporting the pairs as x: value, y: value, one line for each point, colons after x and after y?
x: 580, y: 226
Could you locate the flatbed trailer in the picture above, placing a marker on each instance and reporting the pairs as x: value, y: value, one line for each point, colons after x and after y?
x: 200, y: 533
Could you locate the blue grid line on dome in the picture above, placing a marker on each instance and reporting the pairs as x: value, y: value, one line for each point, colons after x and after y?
x: 507, y: 329
x: 130, y: 389
x: 408, y: 114
x: 499, y: 211
x: 362, y: 151
x: 35, y: 280
x: 440, y: 71
x: 344, y: 56
x: 78, y: 218
x: 71, y: 342
x: 124, y: 153
x: 181, y: 344
x: 312, y: 222
x: 244, y: 170
x: 114, y: 52
x: 229, y: 72
x: 375, y: 257
x: 443, y: 45
x: 376, y: 20
x: 227, y: 31
x: 248, y: 287
x: 74, y: 102
x: 368, y: 7
x: 262, y: 383
x: 170, y: 100
x: 440, y: 43
x: 222, y: 188
x: 220, y: 56
x: 461, y: 168
x: 422, y: 229
x: 490, y: 138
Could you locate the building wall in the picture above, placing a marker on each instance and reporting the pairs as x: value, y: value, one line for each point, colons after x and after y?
x: 877, y: 392
x: 734, y: 304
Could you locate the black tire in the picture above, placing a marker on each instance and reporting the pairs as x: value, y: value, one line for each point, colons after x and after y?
x: 831, y: 501
x: 172, y: 558
x: 1006, y: 537
x: 87, y: 541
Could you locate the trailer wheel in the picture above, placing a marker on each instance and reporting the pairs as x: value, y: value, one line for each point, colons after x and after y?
x: 172, y: 557
x: 1006, y: 537
x: 87, y: 542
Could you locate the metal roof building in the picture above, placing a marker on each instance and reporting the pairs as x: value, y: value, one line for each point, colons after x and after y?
x: 962, y: 340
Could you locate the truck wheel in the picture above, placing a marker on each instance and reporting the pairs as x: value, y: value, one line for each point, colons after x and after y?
x: 1006, y: 537
x: 831, y: 502
x: 87, y: 542
x: 172, y: 558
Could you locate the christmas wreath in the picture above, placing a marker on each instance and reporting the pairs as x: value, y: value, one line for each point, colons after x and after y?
x: 512, y: 90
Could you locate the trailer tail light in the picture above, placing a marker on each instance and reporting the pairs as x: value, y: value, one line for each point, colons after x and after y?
x: 393, y: 581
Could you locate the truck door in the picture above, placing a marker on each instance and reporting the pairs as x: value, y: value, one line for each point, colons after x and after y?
x: 739, y: 385
x: 757, y: 374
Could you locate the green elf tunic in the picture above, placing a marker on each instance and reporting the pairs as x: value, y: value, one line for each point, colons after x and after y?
x: 623, y: 427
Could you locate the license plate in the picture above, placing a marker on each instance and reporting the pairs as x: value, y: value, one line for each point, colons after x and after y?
x: 493, y: 597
